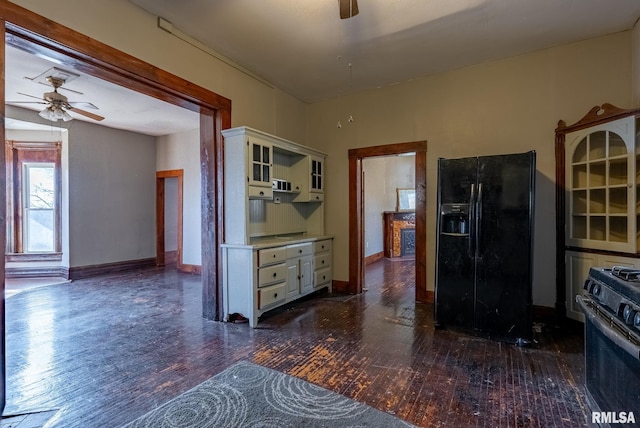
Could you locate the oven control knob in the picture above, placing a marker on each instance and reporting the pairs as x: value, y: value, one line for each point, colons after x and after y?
x: 596, y: 290
x: 636, y: 320
x: 587, y: 284
x: 629, y: 314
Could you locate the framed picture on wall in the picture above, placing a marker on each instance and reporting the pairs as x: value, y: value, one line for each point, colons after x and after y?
x: 406, y: 199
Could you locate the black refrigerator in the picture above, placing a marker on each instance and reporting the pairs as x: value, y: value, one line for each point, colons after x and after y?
x: 485, y: 246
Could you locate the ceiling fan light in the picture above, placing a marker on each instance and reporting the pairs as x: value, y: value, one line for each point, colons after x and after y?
x: 66, y: 116
x: 47, y: 114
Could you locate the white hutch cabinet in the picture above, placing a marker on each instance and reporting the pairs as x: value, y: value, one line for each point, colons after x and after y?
x: 601, y: 209
x: 275, y: 249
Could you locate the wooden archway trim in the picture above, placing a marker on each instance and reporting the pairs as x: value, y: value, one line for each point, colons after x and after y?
x: 356, y: 214
x: 41, y: 36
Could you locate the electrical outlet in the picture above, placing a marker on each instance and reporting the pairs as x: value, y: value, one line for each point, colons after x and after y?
x: 276, y: 200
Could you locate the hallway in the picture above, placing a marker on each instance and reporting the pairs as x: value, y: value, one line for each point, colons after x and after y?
x: 104, y: 351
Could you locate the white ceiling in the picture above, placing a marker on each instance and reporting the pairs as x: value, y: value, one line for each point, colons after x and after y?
x: 305, y: 49
x: 121, y: 107
x: 295, y: 45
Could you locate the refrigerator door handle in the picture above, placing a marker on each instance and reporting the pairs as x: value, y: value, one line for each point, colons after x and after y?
x: 478, y: 220
x: 472, y: 227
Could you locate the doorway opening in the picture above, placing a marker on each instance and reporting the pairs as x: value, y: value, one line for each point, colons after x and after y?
x: 169, y: 219
x: 357, y: 213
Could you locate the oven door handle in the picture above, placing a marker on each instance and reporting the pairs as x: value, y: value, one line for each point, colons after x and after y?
x: 603, y: 325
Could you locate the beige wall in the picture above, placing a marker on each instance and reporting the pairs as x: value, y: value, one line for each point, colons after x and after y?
x: 506, y: 106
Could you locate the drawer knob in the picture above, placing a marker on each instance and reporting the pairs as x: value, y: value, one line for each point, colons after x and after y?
x: 324, y: 277
x: 274, y: 256
x: 323, y: 262
x: 300, y: 251
x: 261, y: 193
x: 275, y: 294
x: 275, y: 274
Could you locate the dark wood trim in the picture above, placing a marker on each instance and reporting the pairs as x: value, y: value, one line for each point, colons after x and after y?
x: 161, y: 258
x: 597, y: 115
x: 170, y: 258
x: 429, y: 296
x: 373, y: 258
x: 421, y: 225
x: 37, y: 272
x: 193, y: 269
x: 41, y: 36
x: 561, y: 310
x: 356, y: 215
x: 340, y: 287
x: 33, y: 257
x: 80, y: 272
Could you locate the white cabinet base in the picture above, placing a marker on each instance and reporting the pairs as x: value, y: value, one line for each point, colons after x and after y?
x: 257, y: 279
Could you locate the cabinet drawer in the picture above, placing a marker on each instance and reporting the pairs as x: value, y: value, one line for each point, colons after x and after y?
x: 298, y: 250
x: 260, y: 192
x: 322, y: 261
x: 322, y: 246
x: 270, y: 295
x: 321, y: 276
x: 272, y: 256
x: 271, y: 274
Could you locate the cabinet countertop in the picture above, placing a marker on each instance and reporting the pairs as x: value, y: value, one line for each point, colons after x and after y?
x: 278, y: 241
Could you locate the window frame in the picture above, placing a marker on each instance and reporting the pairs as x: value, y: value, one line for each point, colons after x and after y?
x: 19, y: 153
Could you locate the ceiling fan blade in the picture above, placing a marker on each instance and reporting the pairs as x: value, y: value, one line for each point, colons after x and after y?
x: 30, y: 96
x: 83, y: 105
x: 348, y: 8
x: 26, y: 102
x: 86, y: 113
x: 62, y: 88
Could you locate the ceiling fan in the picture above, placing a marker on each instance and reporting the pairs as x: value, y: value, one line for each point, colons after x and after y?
x: 348, y: 8
x: 58, y: 105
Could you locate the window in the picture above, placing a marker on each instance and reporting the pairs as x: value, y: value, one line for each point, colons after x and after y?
x: 38, y: 208
x: 33, y: 198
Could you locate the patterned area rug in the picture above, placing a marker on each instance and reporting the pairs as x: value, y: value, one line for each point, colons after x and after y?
x: 248, y: 395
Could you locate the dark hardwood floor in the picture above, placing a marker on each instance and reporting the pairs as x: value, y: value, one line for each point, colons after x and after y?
x: 106, y: 350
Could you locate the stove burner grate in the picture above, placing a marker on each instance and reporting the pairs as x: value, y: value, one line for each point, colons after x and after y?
x: 625, y: 273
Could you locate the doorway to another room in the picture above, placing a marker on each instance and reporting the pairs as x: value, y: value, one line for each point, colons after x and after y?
x: 169, y: 223
x: 357, y: 212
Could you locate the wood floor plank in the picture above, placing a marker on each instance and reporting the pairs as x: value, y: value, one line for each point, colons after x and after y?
x: 106, y: 350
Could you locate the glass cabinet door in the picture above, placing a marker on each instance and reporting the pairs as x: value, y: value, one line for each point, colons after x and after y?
x: 601, y: 165
x: 317, y: 172
x: 260, y: 155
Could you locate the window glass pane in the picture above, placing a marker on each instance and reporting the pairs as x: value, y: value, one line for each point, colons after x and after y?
x: 40, y: 231
x: 41, y: 192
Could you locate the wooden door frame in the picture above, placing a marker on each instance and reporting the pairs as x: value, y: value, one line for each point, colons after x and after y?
x: 356, y: 212
x: 41, y: 36
x: 161, y: 177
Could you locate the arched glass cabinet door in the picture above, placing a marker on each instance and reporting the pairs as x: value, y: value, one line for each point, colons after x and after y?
x: 601, y: 186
